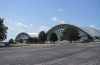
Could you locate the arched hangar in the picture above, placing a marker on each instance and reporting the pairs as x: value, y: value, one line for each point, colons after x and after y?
x: 84, y: 32
x: 24, y: 36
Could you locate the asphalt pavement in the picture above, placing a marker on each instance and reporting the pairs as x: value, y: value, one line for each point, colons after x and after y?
x: 66, y: 54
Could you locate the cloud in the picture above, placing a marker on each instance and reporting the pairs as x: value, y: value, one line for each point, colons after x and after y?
x: 21, y: 30
x: 79, y: 25
x: 16, y: 27
x: 21, y: 25
x: 62, y: 22
x: 92, y: 26
x: 10, y: 19
x: 55, y: 19
x: 16, y: 23
x: 44, y: 28
x: 31, y: 25
x: 60, y: 10
x: 10, y: 28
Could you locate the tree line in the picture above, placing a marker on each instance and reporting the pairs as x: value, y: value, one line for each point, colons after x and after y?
x: 70, y: 33
x: 42, y: 37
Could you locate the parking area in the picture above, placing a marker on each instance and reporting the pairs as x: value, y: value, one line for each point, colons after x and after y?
x: 66, y: 54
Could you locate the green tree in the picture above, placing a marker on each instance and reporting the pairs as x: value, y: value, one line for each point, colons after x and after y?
x: 3, y: 30
x: 62, y: 38
x: 53, y: 37
x: 30, y: 40
x: 11, y: 41
x: 20, y: 40
x: 35, y: 40
x: 71, y: 34
x: 42, y: 36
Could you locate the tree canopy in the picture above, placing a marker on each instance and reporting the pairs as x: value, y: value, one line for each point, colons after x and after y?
x: 30, y: 40
x: 3, y: 30
x: 70, y: 33
x: 42, y: 36
x: 33, y: 40
x: 11, y: 41
x: 53, y: 37
x: 20, y: 40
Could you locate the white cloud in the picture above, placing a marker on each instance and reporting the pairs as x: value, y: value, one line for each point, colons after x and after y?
x: 92, y: 26
x: 21, y: 25
x: 79, y: 25
x: 21, y: 30
x: 16, y: 23
x: 59, y: 9
x: 10, y: 28
x: 31, y: 25
x: 10, y: 19
x: 44, y: 28
x: 54, y: 19
x: 62, y: 22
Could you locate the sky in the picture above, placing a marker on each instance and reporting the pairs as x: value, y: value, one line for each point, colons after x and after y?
x: 33, y: 16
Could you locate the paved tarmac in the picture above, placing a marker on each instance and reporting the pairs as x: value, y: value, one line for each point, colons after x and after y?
x: 69, y: 54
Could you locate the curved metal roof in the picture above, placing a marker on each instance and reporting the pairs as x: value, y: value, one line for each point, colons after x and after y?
x: 93, y: 32
x: 28, y: 34
x: 33, y: 34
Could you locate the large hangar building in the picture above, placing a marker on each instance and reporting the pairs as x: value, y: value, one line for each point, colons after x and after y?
x: 84, y: 32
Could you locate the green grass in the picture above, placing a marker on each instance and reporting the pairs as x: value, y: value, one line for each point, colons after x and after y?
x: 2, y: 45
x: 19, y: 45
x: 15, y: 45
x: 39, y: 44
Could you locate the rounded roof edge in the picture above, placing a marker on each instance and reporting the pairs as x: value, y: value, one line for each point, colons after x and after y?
x: 33, y: 34
x: 21, y: 34
x: 29, y: 34
x: 88, y: 30
x: 59, y: 25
